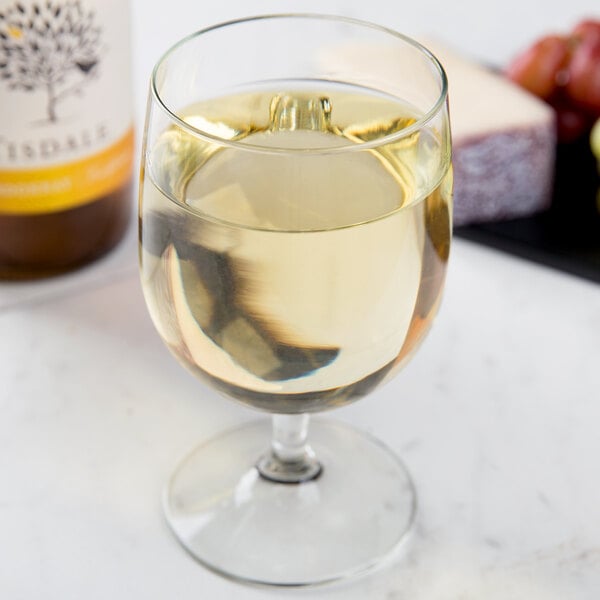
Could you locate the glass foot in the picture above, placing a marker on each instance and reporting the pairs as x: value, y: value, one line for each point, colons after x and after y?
x: 245, y: 527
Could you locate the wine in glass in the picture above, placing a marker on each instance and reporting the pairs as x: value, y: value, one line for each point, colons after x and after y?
x: 295, y: 224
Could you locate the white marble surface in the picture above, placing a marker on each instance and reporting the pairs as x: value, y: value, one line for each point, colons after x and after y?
x: 497, y: 416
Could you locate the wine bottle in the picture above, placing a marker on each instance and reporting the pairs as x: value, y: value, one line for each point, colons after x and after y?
x: 66, y: 135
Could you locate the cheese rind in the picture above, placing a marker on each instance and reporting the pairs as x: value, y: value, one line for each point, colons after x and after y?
x: 504, y: 175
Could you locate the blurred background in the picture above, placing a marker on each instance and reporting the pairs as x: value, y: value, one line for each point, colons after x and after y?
x: 491, y: 32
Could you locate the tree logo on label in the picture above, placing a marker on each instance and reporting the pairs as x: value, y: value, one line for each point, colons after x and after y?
x: 48, y: 46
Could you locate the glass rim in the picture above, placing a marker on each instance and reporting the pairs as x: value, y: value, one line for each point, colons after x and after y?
x: 418, y: 124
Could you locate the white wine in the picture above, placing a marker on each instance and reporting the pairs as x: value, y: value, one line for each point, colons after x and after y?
x: 297, y: 265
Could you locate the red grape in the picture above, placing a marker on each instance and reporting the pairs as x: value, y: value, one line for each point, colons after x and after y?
x: 583, y: 84
x: 586, y: 29
x: 565, y: 72
x: 571, y: 123
x: 537, y: 69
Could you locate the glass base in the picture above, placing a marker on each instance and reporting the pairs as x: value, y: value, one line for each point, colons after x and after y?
x: 342, y: 523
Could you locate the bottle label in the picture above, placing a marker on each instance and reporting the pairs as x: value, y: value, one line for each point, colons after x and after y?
x: 65, y: 124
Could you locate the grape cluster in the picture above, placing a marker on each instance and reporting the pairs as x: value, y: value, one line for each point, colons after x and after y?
x: 564, y: 70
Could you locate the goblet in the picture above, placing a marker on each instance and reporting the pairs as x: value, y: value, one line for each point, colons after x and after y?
x: 295, y: 223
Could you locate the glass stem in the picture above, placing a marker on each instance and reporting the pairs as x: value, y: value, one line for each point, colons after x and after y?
x: 291, y: 459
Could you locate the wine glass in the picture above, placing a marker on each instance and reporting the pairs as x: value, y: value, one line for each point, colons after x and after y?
x: 295, y: 224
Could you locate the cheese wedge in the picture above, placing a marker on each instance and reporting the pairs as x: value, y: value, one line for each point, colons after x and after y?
x: 504, y: 138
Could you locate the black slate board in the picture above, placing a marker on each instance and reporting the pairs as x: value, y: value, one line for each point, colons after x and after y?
x: 567, y: 235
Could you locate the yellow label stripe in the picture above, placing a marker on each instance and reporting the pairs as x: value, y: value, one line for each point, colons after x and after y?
x: 51, y: 189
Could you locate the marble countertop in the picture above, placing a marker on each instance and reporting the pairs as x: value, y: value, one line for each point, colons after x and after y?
x: 497, y: 418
